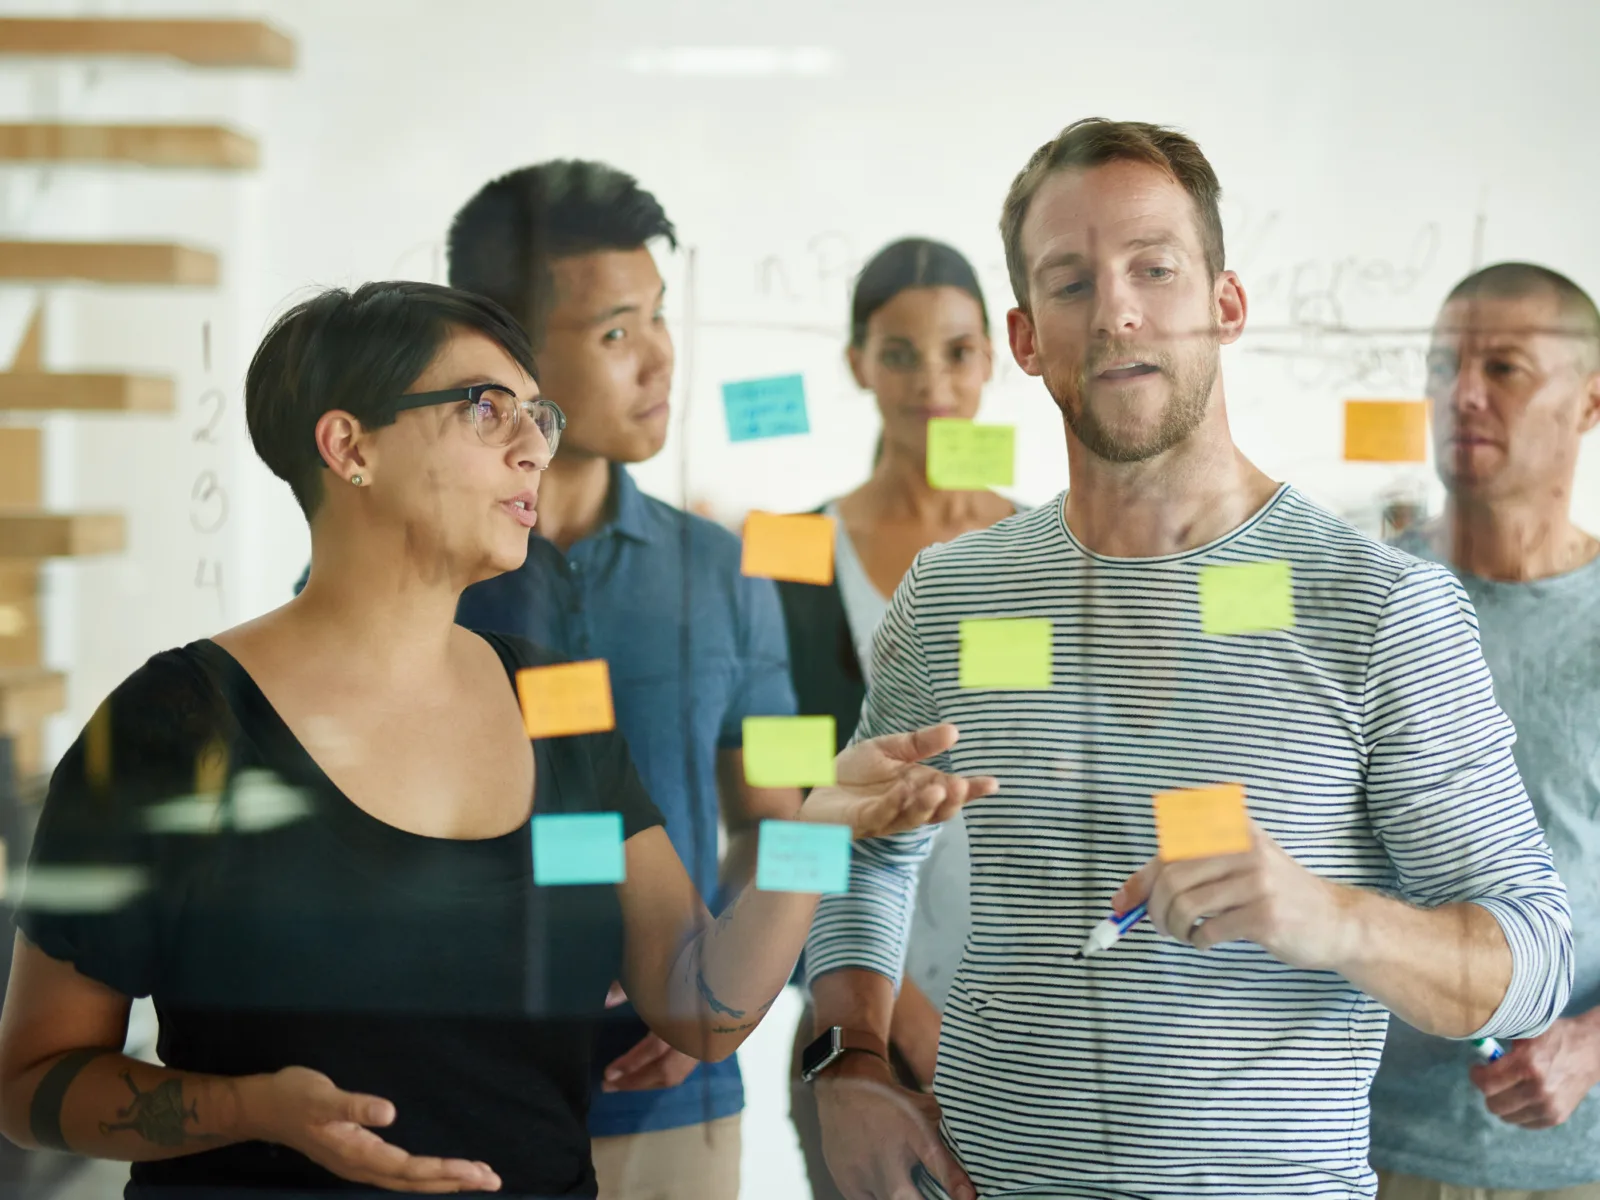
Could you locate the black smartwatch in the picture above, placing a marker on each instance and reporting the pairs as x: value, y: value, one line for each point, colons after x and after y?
x: 833, y: 1045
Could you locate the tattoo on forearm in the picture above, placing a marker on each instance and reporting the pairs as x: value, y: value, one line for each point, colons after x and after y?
x: 157, y: 1115
x: 44, y: 1114
x: 745, y: 1028
x: 706, y: 994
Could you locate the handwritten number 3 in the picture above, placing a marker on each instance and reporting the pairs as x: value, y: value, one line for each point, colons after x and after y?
x: 207, y: 492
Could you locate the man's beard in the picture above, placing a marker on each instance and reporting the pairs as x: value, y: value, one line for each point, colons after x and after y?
x: 1191, y: 383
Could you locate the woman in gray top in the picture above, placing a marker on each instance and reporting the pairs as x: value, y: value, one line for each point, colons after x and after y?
x: 919, y: 342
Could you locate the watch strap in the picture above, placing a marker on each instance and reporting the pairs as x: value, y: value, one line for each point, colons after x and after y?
x: 860, y: 1039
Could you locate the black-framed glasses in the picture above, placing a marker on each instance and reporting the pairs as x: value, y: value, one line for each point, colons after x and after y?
x: 496, y: 412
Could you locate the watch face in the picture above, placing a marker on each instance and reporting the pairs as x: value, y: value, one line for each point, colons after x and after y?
x: 820, y: 1053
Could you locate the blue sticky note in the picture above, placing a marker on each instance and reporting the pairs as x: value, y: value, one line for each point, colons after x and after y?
x: 799, y: 856
x: 578, y: 848
x: 763, y: 408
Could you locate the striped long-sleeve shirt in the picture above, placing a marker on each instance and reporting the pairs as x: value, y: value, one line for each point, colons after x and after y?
x: 1370, y: 747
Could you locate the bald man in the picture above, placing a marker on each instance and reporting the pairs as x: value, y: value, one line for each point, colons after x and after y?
x: 1514, y: 378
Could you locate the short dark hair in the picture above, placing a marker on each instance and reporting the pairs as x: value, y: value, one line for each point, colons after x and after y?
x: 1095, y: 141
x: 909, y: 263
x: 356, y: 351
x: 1514, y: 280
x: 504, y: 239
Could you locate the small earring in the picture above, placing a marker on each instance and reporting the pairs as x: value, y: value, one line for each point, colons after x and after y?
x: 356, y: 479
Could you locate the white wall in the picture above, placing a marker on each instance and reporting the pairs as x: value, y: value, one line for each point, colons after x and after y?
x: 1371, y: 153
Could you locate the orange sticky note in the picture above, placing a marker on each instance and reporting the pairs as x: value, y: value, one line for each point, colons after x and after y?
x: 567, y: 698
x: 1386, y: 430
x: 797, y: 547
x: 1200, y: 822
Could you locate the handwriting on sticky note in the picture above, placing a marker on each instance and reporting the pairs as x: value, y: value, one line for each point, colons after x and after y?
x: 789, y: 751
x: 1005, y: 652
x: 574, y: 848
x: 798, y: 856
x: 1386, y: 430
x: 796, y: 547
x: 965, y: 456
x: 764, y: 408
x: 1252, y: 597
x: 566, y: 698
x: 1200, y: 822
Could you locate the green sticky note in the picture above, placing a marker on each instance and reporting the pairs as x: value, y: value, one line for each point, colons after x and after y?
x: 1011, y: 653
x: 1248, y: 598
x: 573, y: 848
x: 788, y: 751
x: 963, y: 456
x: 798, y: 856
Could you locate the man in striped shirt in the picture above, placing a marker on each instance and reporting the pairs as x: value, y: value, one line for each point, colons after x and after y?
x: 1225, y: 1047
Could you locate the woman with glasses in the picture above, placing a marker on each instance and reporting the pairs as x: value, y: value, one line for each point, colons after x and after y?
x: 919, y: 342
x: 377, y: 923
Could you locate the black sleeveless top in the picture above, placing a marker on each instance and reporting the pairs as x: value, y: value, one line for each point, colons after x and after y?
x: 276, y: 923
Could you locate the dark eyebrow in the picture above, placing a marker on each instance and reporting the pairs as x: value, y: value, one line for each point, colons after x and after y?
x: 1162, y: 241
x: 475, y: 380
x: 623, y: 310
x: 1071, y: 258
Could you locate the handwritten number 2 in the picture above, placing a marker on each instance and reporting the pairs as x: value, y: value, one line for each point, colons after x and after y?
x: 208, y: 431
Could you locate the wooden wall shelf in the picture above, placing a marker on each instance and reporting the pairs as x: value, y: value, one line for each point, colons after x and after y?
x: 59, y: 535
x: 198, y: 43
x: 108, y: 262
x: 141, y: 145
x: 21, y: 467
x: 52, y: 391
x: 20, y: 641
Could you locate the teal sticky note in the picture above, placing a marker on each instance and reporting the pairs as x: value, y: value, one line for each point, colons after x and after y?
x: 571, y: 848
x: 1255, y: 597
x: 798, y: 856
x: 764, y: 408
x: 782, y: 752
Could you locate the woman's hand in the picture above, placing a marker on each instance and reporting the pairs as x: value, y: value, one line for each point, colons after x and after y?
x: 302, y: 1109
x: 882, y: 787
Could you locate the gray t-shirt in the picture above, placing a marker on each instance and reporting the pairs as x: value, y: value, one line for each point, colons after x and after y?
x: 1542, y: 643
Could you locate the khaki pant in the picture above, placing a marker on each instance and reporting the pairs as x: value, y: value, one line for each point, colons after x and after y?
x: 696, y: 1162
x: 1409, y: 1187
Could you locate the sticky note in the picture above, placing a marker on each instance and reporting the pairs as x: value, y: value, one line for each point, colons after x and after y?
x: 1200, y: 822
x: 1386, y: 430
x: 788, y: 751
x: 1007, y: 652
x: 763, y: 408
x: 964, y: 456
x: 796, y: 547
x: 566, y: 698
x: 798, y: 856
x: 573, y: 848
x: 1248, y: 598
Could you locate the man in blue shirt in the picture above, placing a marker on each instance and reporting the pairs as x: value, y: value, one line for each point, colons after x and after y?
x: 694, y: 647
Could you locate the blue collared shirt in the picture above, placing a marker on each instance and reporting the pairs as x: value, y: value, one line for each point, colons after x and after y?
x: 693, y: 647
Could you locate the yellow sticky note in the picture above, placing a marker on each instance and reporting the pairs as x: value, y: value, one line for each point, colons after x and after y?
x: 789, y: 751
x: 796, y: 547
x: 566, y: 698
x: 1386, y: 430
x: 1248, y: 598
x: 1201, y: 822
x: 964, y: 456
x: 1008, y: 652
